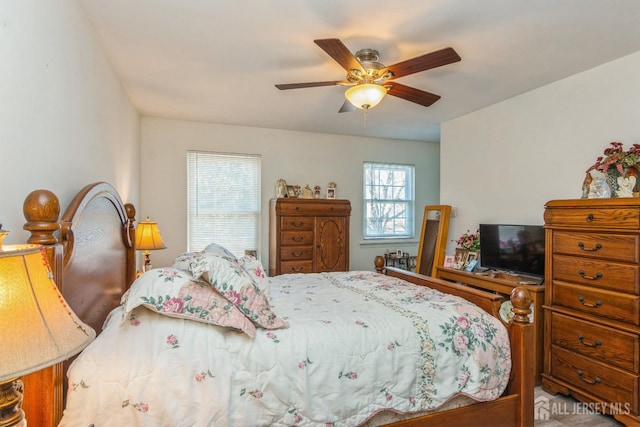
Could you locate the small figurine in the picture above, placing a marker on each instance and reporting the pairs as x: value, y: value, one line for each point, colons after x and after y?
x: 585, y: 185
x: 281, y: 188
x: 307, y: 193
x: 316, y: 192
x: 331, y: 190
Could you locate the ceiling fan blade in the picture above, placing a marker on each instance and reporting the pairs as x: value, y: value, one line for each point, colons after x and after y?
x: 347, y: 107
x: 310, y: 84
x: 425, y: 62
x: 412, y: 94
x: 339, y: 52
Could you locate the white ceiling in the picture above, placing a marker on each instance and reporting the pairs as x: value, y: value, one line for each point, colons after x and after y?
x: 218, y: 60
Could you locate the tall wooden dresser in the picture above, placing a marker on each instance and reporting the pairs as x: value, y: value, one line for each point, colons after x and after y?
x: 308, y: 235
x: 592, y: 303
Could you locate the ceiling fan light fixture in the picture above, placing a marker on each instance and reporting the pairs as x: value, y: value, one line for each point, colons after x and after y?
x: 365, y: 95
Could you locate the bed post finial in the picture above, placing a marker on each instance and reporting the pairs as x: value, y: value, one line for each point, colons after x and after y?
x: 521, y: 301
x: 41, y: 209
x: 379, y: 262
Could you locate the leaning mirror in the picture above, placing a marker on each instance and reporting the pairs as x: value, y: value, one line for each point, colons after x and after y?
x: 433, y: 239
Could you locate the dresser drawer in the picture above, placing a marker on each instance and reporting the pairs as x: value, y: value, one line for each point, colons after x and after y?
x: 597, y: 302
x: 610, y: 384
x: 610, y: 218
x: 297, y: 238
x: 596, y: 273
x: 296, y: 253
x: 599, y: 342
x: 290, y: 223
x: 296, y: 267
x: 616, y: 247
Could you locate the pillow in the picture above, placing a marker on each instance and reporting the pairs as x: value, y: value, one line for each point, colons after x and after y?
x: 216, y: 249
x: 183, y: 261
x: 256, y: 271
x: 175, y: 293
x: 235, y: 284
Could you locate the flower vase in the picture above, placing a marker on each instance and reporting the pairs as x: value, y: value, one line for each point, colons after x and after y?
x: 612, y: 181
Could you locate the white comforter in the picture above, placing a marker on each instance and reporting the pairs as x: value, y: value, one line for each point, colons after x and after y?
x: 357, y: 343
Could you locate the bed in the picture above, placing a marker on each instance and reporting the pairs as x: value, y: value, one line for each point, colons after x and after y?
x: 97, y: 226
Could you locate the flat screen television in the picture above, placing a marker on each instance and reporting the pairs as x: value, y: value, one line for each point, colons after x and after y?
x: 517, y: 249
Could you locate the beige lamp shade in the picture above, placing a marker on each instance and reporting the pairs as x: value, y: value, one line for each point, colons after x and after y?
x: 37, y: 327
x: 366, y: 95
x: 148, y: 236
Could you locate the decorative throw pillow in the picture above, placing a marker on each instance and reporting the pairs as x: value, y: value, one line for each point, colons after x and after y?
x: 235, y: 284
x: 221, y: 251
x: 183, y: 261
x: 256, y: 271
x: 175, y: 293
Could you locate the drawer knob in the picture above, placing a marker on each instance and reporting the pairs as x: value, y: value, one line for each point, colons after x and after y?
x: 297, y: 254
x: 598, y: 303
x: 296, y: 269
x: 297, y: 224
x: 584, y: 276
x: 590, y: 217
x: 589, y: 344
x: 596, y: 380
x: 597, y: 247
x: 297, y: 239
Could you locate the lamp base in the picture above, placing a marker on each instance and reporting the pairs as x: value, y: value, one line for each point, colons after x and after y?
x: 11, y: 413
x: 147, y: 264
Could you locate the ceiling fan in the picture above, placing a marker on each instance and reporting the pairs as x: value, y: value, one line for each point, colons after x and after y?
x: 370, y: 80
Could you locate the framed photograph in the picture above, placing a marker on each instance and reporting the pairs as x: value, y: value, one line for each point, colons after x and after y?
x: 331, y: 193
x: 291, y: 191
x: 460, y: 258
x: 471, y: 265
x: 448, y: 261
x: 471, y: 256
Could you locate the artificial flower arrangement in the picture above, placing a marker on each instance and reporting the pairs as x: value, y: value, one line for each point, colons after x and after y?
x: 616, y: 160
x: 469, y: 241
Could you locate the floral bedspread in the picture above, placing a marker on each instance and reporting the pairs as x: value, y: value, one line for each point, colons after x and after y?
x: 357, y: 343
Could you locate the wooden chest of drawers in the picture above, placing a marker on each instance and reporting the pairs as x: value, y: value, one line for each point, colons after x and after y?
x: 592, y: 303
x: 308, y: 235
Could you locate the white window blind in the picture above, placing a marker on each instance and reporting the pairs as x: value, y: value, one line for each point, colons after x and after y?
x: 388, y: 200
x: 223, y: 201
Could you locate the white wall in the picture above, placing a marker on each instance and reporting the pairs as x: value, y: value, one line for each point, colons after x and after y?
x: 65, y: 120
x: 298, y: 157
x: 504, y: 162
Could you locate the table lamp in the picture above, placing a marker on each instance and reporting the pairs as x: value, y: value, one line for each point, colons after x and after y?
x: 148, y: 238
x: 37, y: 327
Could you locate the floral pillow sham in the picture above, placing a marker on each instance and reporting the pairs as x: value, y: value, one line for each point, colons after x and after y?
x: 176, y: 293
x: 254, y: 268
x: 237, y: 286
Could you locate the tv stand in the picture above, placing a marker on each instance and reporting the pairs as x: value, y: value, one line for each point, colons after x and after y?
x: 503, y: 283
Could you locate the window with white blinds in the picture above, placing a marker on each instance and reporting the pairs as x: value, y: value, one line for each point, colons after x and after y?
x: 223, y: 201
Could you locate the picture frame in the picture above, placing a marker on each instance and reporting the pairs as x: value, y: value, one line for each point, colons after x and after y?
x: 460, y: 258
x: 291, y: 191
x: 471, y: 256
x: 472, y: 264
x: 448, y: 261
x: 331, y: 193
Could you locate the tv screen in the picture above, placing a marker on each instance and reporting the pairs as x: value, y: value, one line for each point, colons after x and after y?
x: 512, y: 248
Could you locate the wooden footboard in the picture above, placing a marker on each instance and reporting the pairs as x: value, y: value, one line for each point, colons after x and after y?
x: 515, y: 406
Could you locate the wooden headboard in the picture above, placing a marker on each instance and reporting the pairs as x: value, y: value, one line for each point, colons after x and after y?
x: 92, y: 256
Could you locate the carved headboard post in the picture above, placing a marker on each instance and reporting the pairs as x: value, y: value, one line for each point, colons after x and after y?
x: 130, y: 240
x: 44, y: 389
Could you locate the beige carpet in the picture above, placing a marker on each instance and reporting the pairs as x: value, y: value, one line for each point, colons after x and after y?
x: 560, y: 410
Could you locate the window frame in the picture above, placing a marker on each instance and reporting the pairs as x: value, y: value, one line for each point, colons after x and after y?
x: 408, y: 200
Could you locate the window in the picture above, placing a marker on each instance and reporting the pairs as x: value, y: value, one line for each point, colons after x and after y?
x: 388, y: 200
x: 223, y: 201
